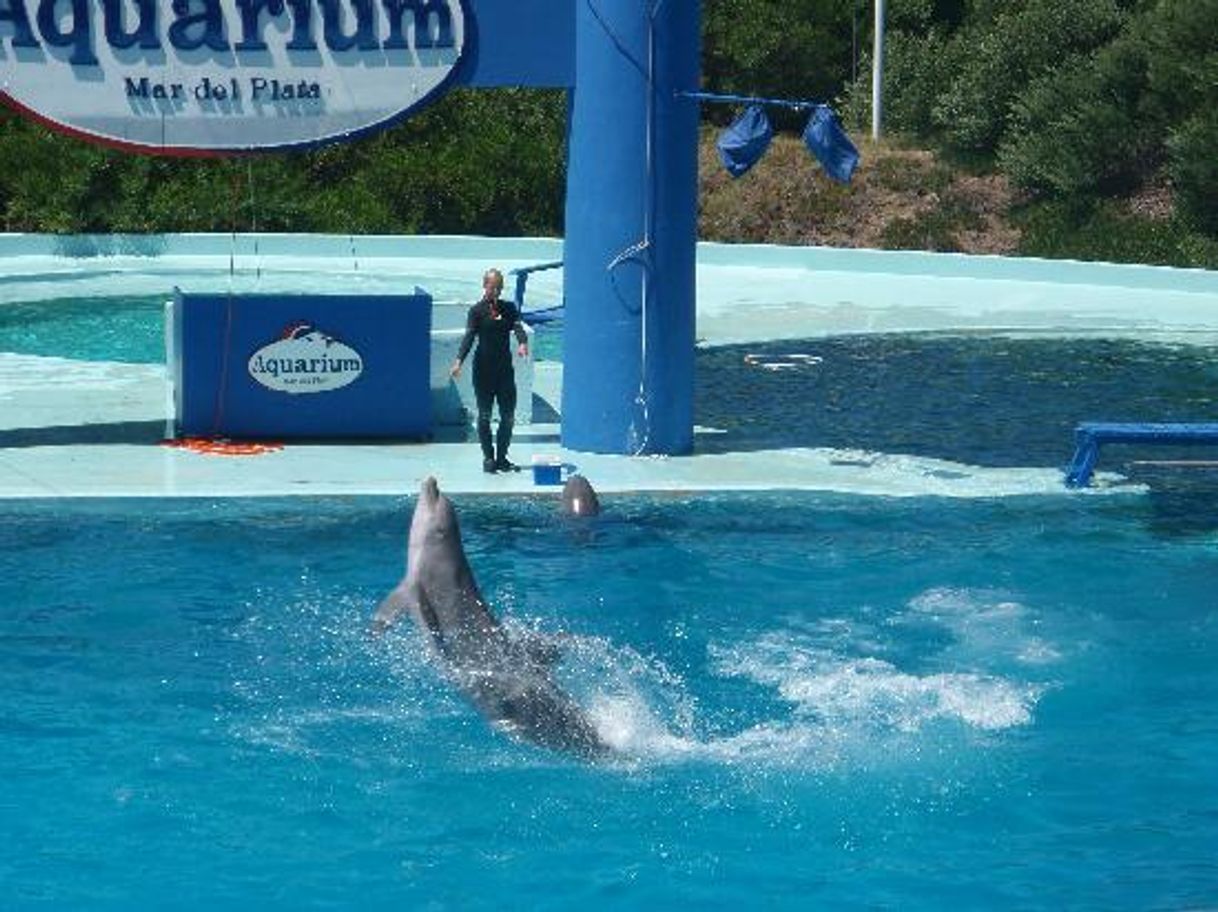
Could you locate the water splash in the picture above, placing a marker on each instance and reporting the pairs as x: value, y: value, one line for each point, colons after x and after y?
x: 864, y: 688
x: 873, y: 694
x: 823, y: 705
x: 987, y: 625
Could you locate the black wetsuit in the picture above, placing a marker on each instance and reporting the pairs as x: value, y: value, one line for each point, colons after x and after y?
x: 494, y: 376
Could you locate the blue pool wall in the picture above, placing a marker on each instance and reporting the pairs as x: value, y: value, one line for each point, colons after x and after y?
x: 745, y: 292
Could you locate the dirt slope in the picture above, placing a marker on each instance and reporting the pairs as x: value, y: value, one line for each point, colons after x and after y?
x: 899, y: 198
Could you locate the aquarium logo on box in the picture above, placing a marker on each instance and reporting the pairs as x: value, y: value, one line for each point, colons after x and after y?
x: 198, y: 77
x: 305, y: 360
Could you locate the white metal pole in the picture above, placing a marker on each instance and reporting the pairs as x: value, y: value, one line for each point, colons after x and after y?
x: 877, y: 73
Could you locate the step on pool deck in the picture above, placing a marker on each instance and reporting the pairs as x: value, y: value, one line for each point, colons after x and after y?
x: 96, y: 429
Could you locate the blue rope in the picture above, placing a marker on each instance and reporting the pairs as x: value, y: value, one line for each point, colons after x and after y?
x: 749, y: 99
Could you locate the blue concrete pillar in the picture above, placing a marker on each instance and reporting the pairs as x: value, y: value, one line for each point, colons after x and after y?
x: 631, y: 223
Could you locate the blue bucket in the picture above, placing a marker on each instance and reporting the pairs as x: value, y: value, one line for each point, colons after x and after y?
x: 547, y: 471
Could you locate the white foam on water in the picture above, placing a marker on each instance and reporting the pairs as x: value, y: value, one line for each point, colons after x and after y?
x: 633, y: 728
x: 840, y: 705
x: 987, y: 624
x: 871, y: 693
x: 833, y: 699
x: 631, y: 699
x: 639, y: 735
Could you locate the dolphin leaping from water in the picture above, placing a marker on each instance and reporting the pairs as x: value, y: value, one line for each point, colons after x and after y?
x: 508, y: 678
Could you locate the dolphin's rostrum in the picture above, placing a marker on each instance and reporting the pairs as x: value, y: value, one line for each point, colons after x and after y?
x: 508, y: 678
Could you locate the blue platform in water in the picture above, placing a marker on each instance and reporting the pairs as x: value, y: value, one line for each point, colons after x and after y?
x: 1089, y: 435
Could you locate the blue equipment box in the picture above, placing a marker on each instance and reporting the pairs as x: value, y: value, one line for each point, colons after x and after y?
x: 300, y: 365
x: 547, y: 471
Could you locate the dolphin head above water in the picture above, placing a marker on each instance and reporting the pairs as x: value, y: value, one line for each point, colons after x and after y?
x: 434, y: 530
x: 439, y: 591
x: 578, y: 497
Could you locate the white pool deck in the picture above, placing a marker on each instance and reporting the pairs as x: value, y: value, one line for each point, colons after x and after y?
x: 89, y: 429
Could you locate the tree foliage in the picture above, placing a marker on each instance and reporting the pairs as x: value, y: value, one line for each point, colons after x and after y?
x: 802, y: 50
x: 1075, y: 101
x: 1086, y: 128
x: 1078, y: 102
x: 487, y: 162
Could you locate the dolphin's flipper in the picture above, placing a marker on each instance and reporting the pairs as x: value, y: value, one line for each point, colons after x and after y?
x: 405, y: 598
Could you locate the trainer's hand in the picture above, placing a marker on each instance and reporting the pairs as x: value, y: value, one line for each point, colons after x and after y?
x: 523, y: 350
x: 455, y: 370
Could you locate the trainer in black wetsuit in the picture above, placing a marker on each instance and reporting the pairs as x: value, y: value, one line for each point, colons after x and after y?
x: 491, y: 321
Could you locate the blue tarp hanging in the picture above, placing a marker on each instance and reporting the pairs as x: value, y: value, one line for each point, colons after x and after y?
x: 745, y: 141
x: 826, y: 139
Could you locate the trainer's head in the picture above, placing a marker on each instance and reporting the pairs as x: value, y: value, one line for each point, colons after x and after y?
x: 492, y: 283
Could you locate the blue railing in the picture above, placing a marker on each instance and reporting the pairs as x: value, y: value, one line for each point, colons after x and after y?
x: 1090, y: 435
x: 542, y: 314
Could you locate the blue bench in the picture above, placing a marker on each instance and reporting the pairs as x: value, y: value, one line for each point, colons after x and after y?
x: 1090, y: 435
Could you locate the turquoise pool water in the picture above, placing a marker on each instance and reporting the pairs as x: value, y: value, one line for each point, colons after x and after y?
x: 128, y: 329
x: 125, y: 328
x: 825, y: 702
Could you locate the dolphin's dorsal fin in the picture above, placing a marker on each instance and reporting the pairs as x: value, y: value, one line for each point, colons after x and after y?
x: 405, y: 598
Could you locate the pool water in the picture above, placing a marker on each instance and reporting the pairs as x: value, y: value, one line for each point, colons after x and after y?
x: 820, y: 701
x: 980, y: 399
x: 128, y: 329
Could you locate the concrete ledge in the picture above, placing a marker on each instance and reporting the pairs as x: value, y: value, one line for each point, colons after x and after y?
x: 91, y: 429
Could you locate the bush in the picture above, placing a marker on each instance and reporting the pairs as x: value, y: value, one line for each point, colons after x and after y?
x: 485, y: 162
x: 917, y: 69
x: 1193, y: 168
x: 794, y: 49
x: 1182, y: 57
x: 1082, y: 129
x: 1097, y: 230
x: 1001, y: 57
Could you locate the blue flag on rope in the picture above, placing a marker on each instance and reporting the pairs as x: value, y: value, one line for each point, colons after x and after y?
x: 745, y: 141
x: 826, y: 139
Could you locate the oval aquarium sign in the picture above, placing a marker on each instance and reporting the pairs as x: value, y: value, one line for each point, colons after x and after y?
x: 305, y: 360
x: 213, y: 76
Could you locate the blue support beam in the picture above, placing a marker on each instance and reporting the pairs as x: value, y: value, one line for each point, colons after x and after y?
x: 632, y: 182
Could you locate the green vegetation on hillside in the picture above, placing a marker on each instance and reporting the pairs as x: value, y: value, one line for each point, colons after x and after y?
x: 1101, y: 114
x: 1077, y: 128
x: 485, y: 162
